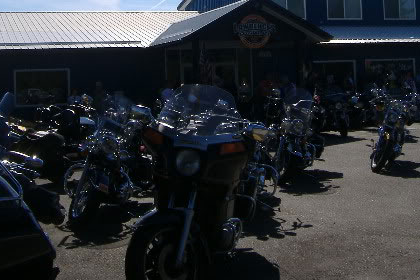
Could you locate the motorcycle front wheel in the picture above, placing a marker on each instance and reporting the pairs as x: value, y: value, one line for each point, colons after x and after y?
x: 84, y: 205
x: 151, y: 255
x: 378, y: 160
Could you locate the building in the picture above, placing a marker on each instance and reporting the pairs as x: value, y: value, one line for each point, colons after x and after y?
x: 49, y: 54
x: 371, y: 37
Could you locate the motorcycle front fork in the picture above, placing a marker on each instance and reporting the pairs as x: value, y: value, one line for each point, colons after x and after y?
x: 188, y: 217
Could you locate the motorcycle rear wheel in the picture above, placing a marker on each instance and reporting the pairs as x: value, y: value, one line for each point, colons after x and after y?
x: 151, y: 256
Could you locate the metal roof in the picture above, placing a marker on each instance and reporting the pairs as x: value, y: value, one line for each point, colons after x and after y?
x: 51, y: 30
x: 182, y: 29
x: 373, y: 34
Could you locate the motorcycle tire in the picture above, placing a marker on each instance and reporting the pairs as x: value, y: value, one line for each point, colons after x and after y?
x: 39, y: 268
x: 147, y: 242
x: 92, y: 205
x: 378, y: 165
x: 283, y: 161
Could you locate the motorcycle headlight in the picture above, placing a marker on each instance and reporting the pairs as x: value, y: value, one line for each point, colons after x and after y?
x: 188, y: 162
x: 108, y: 144
x: 392, y: 118
x: 297, y: 127
x: 338, y: 106
x: 359, y: 105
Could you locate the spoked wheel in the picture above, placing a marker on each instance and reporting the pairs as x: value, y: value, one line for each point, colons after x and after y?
x: 84, y: 205
x: 151, y: 256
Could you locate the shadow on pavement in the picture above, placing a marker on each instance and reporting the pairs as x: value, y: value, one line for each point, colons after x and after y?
x: 266, y: 225
x: 404, y: 169
x: 108, y: 230
x: 335, y: 139
x: 411, y: 139
x: 313, y: 182
x: 245, y: 265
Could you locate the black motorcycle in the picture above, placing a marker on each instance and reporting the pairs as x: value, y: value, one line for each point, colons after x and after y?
x: 298, y: 145
x: 274, y: 109
x: 200, y: 146
x: 106, y: 175
x: 391, y: 136
x: 359, y: 109
x: 336, y: 107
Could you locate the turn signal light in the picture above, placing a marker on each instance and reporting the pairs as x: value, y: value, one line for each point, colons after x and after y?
x: 230, y: 148
x: 153, y: 136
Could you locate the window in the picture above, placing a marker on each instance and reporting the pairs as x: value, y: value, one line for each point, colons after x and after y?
x: 298, y: 7
x: 41, y: 86
x: 400, y: 9
x: 390, y: 72
x: 344, y: 9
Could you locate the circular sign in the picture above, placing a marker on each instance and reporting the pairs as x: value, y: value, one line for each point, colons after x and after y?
x: 254, y: 31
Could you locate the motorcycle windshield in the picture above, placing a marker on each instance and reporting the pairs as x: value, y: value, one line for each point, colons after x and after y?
x: 299, y: 105
x: 201, y: 110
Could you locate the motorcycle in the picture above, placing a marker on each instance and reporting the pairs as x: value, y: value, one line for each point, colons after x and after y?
x: 106, y: 171
x: 26, y: 250
x: 274, y: 109
x: 378, y: 105
x: 359, y: 109
x: 200, y: 145
x: 337, y: 119
x: 391, y: 135
x: 298, y: 145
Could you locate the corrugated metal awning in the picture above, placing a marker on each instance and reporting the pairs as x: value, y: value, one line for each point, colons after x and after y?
x: 373, y: 34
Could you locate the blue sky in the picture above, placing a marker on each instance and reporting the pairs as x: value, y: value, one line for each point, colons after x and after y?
x: 87, y: 5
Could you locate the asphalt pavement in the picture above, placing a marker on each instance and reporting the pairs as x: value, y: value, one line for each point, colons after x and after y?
x: 338, y: 220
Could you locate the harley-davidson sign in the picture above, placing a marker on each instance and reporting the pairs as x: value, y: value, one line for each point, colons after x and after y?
x: 254, y: 31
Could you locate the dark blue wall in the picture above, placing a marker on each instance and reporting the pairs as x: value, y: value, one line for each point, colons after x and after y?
x: 140, y: 73
x: 316, y: 12
x: 366, y: 51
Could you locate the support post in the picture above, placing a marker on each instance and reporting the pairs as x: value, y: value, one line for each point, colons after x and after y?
x: 300, y: 62
x: 196, y: 60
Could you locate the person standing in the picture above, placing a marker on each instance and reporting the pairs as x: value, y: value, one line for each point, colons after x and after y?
x: 98, y: 97
x: 74, y: 98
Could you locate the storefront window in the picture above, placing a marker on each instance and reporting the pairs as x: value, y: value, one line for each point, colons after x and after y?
x: 338, y: 75
x: 390, y: 73
x: 400, y: 9
x: 35, y: 87
x: 344, y: 9
x: 298, y: 7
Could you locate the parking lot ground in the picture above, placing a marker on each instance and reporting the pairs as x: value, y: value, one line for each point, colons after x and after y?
x: 338, y: 220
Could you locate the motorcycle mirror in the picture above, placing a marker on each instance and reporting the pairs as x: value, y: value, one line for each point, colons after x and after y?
x: 141, y: 113
x: 258, y: 132
x: 34, y: 162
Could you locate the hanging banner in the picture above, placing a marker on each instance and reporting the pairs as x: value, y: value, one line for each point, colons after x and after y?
x: 254, y: 31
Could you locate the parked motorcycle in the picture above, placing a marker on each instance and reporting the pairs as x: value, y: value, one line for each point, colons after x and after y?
x: 359, y: 109
x: 26, y: 251
x: 298, y: 145
x: 200, y: 147
x: 111, y: 160
x: 391, y: 135
x: 274, y: 108
x: 335, y: 104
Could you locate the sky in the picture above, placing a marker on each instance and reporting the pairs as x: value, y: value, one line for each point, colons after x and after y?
x: 87, y: 5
